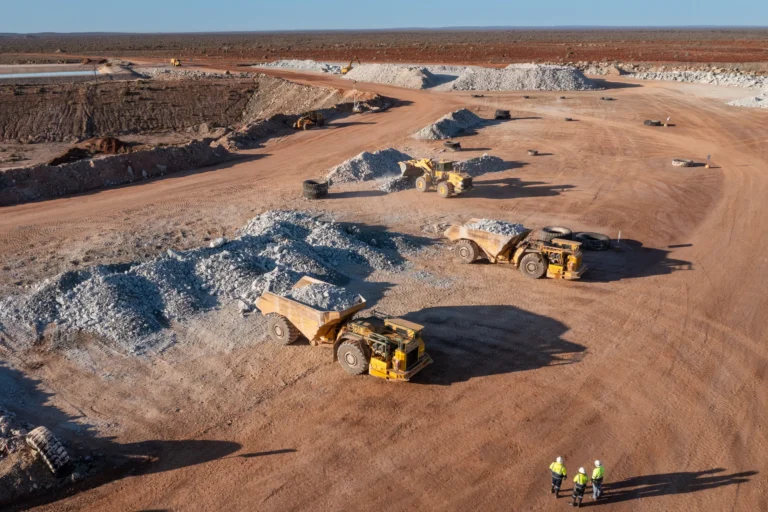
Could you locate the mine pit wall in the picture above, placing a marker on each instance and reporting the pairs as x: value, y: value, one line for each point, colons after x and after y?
x: 40, y: 182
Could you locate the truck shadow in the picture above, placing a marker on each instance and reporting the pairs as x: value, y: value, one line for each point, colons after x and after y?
x: 506, y: 188
x: 631, y: 261
x: 478, y: 341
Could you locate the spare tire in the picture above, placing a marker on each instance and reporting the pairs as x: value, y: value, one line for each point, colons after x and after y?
x: 313, y: 189
x: 593, y: 241
x: 501, y: 114
x: 549, y: 233
x: 50, y: 449
x: 452, y: 145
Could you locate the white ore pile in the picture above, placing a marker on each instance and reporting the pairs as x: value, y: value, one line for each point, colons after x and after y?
x: 523, y: 77
x: 368, y: 166
x: 325, y: 297
x: 308, y: 64
x: 411, y: 77
x: 449, y: 126
x: 497, y: 227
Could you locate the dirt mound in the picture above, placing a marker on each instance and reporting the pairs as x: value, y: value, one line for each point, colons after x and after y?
x: 523, y: 77
x: 368, y: 166
x: 450, y: 125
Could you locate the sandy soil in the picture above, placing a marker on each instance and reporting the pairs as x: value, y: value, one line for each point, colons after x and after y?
x: 654, y: 363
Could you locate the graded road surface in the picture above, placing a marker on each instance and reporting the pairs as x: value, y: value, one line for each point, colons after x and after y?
x: 654, y: 363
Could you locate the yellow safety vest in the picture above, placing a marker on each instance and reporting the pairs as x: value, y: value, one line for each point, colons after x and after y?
x: 580, y: 479
x: 598, y: 473
x: 557, y: 468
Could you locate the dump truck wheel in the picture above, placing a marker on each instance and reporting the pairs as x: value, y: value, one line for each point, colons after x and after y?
x: 532, y: 265
x: 593, y: 241
x: 444, y: 189
x: 312, y: 189
x: 466, y: 251
x: 281, y: 330
x: 549, y: 233
x: 50, y: 449
x: 421, y: 184
x: 352, y: 358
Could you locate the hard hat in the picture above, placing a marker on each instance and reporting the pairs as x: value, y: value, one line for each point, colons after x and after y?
x: 559, y: 460
x: 597, y: 464
x: 582, y: 471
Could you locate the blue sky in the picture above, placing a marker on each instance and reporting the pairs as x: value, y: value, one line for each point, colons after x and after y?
x: 241, y: 15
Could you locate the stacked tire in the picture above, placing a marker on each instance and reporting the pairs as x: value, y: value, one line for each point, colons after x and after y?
x: 593, y: 241
x: 315, y: 189
x: 549, y: 233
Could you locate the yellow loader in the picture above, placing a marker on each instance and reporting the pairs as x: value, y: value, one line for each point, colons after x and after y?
x: 308, y: 120
x: 388, y: 348
x: 175, y: 62
x: 437, y: 174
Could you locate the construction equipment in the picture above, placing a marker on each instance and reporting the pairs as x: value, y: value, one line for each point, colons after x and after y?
x: 175, y: 62
x: 309, y: 119
x: 388, y: 348
x: 436, y: 174
x: 347, y: 69
x: 557, y: 258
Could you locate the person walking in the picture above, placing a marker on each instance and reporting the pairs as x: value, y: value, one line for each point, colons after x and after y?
x: 579, y: 486
x: 597, y: 480
x: 558, y: 474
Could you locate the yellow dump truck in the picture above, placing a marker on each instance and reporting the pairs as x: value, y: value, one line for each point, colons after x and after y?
x: 556, y: 258
x: 389, y: 348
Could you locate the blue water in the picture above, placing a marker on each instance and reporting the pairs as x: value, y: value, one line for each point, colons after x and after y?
x: 43, y: 75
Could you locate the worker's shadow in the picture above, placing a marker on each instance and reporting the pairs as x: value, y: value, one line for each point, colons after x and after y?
x: 478, y: 341
x: 665, y: 484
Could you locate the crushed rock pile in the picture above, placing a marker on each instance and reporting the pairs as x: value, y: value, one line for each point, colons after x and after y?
x: 707, y: 77
x: 481, y: 165
x: 760, y: 101
x: 188, y: 74
x: 307, y: 64
x: 450, y: 125
x: 130, y: 305
x: 397, y: 183
x: 523, y: 77
x: 325, y: 297
x: 498, y: 227
x: 411, y: 77
x: 368, y: 166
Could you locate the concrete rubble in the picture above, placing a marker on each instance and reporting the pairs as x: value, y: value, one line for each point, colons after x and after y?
x: 325, y: 297
x: 498, y: 227
x: 131, y: 305
x: 450, y: 125
x: 368, y: 166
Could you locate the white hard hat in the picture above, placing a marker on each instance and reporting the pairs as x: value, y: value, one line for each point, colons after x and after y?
x: 559, y: 460
x: 597, y: 464
x: 582, y: 471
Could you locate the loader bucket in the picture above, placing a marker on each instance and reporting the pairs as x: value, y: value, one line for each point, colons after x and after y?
x: 313, y: 323
x: 408, y: 169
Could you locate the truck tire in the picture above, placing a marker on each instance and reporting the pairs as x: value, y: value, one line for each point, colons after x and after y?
x: 50, y: 449
x: 312, y: 189
x: 466, y: 251
x: 421, y: 184
x: 532, y: 265
x: 549, y: 233
x: 352, y: 358
x: 444, y: 189
x: 281, y: 329
x: 593, y: 241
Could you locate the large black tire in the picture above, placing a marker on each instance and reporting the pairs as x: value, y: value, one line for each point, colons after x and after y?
x: 421, y: 184
x: 549, y: 233
x: 452, y: 145
x: 532, y: 265
x: 281, y: 329
x: 50, y: 449
x: 444, y: 189
x: 466, y: 251
x: 312, y: 189
x: 352, y: 358
x: 501, y: 114
x: 593, y: 241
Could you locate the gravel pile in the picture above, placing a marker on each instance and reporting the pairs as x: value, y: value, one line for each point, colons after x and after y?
x: 397, y: 183
x: 187, y: 74
x: 309, y: 65
x: 707, y: 77
x: 449, y: 126
x: 325, y: 297
x: 411, y: 77
x: 368, y: 166
x: 131, y: 305
x: 481, y: 165
x: 523, y: 77
x: 760, y: 101
x: 498, y: 227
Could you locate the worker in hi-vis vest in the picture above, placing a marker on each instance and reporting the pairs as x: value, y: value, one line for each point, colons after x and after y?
x: 579, y: 486
x: 558, y: 474
x: 597, y: 480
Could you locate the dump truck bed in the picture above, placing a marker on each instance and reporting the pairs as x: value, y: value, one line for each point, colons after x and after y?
x: 491, y: 243
x: 313, y: 323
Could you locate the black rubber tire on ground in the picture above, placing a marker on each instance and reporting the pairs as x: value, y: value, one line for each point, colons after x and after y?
x: 421, y: 184
x: 281, y: 329
x: 352, y: 358
x: 452, y: 145
x: 313, y: 189
x: 501, y: 114
x: 549, y: 233
x: 444, y: 189
x: 569, y: 119
x: 593, y: 241
x: 466, y: 251
x: 50, y: 449
x: 532, y: 265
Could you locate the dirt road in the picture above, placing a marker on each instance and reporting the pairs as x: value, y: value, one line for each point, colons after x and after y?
x: 654, y: 363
